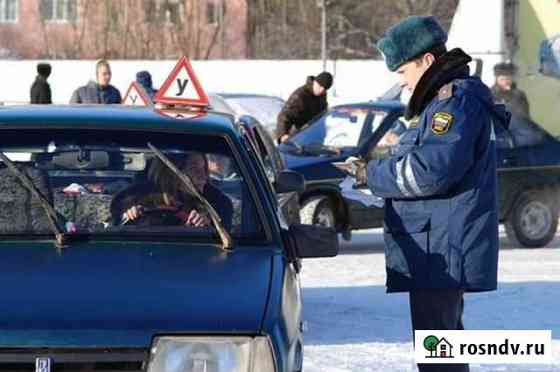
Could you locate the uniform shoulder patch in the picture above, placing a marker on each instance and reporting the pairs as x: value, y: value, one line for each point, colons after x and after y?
x: 445, y: 91
x: 441, y: 122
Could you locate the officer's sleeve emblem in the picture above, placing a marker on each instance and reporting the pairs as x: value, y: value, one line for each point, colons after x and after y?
x: 441, y: 122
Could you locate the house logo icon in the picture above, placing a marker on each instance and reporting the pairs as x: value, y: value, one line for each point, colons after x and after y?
x: 438, y: 347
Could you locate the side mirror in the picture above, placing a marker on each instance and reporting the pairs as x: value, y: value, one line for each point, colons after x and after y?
x: 311, y: 241
x: 289, y: 181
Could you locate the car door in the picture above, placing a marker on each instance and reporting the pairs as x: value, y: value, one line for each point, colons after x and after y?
x: 273, y: 164
x: 289, y: 202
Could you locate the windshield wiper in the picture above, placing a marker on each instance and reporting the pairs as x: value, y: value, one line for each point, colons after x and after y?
x: 52, y: 216
x: 227, y: 242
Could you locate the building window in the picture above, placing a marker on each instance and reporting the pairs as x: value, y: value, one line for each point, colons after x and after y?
x: 9, y: 10
x: 213, y: 12
x: 164, y: 11
x: 171, y: 11
x: 59, y: 10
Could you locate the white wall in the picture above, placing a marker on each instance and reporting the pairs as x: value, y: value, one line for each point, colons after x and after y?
x: 354, y: 81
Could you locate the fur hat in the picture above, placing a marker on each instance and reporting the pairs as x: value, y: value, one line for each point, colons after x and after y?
x: 505, y: 68
x: 409, y: 38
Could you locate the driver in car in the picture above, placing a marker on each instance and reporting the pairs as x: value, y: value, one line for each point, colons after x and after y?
x: 166, y: 199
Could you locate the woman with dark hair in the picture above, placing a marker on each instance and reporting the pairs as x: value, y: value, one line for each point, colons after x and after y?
x: 169, y: 197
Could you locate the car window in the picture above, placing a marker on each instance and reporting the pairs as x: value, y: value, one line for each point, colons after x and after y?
x: 549, y: 57
x: 218, y: 104
x: 392, y: 136
x: 525, y: 132
x: 340, y: 128
x: 94, y: 179
x: 264, y: 109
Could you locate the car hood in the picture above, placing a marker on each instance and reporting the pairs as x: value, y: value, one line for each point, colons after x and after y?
x: 122, y: 294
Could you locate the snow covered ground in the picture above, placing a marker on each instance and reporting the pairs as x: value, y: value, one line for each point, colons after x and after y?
x: 353, y: 325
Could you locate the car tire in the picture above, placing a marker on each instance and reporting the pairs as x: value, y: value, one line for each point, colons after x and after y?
x: 533, y: 221
x: 317, y: 210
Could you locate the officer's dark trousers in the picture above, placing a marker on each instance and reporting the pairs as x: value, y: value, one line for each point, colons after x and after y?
x: 438, y: 309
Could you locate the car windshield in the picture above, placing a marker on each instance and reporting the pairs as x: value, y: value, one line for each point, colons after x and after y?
x: 110, y: 183
x: 341, y: 127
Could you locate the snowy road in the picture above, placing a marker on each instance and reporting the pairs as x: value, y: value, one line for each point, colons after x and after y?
x: 353, y: 325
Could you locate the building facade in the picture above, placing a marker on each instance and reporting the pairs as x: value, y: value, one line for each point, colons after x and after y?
x: 123, y: 29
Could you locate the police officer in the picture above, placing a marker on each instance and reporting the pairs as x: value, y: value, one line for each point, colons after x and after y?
x: 441, y: 212
x: 505, y: 90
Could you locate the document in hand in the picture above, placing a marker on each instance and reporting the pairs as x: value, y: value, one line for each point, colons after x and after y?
x: 361, y: 195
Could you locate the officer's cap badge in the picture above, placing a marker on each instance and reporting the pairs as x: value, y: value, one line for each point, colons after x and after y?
x: 441, y: 122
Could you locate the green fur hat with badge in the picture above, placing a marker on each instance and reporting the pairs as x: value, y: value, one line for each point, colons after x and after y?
x: 410, y: 38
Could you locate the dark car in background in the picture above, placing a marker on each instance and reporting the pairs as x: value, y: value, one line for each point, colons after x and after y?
x: 528, y: 170
x: 263, y: 141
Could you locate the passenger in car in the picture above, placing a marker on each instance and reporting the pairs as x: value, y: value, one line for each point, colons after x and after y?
x: 165, y: 194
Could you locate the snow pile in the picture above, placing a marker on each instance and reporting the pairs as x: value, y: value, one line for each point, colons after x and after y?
x: 353, y: 325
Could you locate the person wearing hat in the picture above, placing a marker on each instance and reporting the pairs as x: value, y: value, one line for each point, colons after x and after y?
x: 440, y: 183
x: 304, y: 104
x: 40, y: 92
x: 505, y: 90
x: 144, y: 78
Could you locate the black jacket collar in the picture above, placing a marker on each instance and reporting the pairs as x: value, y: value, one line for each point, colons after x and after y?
x: 449, y: 66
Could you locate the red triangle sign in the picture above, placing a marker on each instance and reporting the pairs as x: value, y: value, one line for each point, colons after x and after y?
x: 182, y: 87
x: 178, y: 114
x: 136, y: 96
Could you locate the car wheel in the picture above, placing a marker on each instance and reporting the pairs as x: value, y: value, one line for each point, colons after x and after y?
x: 317, y: 210
x: 533, y: 221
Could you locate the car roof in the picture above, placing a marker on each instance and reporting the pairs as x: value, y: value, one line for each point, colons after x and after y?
x: 248, y: 95
x: 386, y: 105
x: 111, y: 117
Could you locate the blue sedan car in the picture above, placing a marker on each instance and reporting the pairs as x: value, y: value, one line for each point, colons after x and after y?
x: 132, y: 241
x: 528, y: 170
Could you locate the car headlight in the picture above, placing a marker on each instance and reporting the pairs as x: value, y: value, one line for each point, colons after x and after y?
x: 211, y: 354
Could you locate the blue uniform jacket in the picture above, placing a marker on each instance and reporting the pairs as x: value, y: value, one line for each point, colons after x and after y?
x: 441, y: 220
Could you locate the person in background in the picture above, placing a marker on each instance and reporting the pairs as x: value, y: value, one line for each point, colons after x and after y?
x: 100, y: 92
x: 304, y: 104
x: 505, y: 90
x: 144, y: 78
x: 41, y: 90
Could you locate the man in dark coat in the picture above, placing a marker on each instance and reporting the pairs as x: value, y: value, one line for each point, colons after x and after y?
x: 440, y: 185
x: 100, y: 91
x: 144, y: 78
x: 505, y: 90
x: 304, y: 104
x: 41, y: 90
